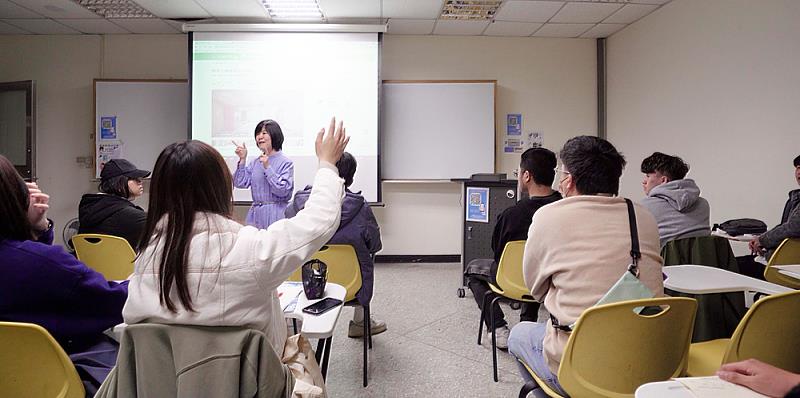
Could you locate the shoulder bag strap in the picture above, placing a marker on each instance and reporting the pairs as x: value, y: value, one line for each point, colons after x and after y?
x: 635, y: 253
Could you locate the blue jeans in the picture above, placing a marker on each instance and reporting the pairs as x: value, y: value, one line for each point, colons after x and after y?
x: 525, y: 343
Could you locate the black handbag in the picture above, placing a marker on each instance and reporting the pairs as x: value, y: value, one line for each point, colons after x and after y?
x: 315, y: 276
x: 742, y: 226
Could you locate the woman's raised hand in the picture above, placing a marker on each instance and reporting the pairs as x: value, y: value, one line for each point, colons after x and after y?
x: 37, y: 209
x: 241, y: 151
x: 331, y: 145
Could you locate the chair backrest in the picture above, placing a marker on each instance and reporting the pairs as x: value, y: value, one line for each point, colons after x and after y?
x: 787, y: 253
x: 509, y: 272
x: 109, y: 255
x: 613, y: 350
x: 769, y: 332
x: 343, y: 268
x: 32, y: 364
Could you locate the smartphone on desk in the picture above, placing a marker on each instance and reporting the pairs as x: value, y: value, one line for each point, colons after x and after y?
x: 322, y: 306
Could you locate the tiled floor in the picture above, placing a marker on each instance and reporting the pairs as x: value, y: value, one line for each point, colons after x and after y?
x: 430, y: 348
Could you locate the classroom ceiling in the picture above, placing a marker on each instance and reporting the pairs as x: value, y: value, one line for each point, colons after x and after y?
x: 536, y: 18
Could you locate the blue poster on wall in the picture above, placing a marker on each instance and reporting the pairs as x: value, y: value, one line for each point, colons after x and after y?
x: 478, y: 204
x: 514, y: 124
x: 108, y: 127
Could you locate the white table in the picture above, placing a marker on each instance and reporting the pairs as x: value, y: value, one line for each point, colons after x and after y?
x: 318, y: 326
x: 700, y: 279
x: 663, y: 389
x: 792, y: 270
x: 738, y: 238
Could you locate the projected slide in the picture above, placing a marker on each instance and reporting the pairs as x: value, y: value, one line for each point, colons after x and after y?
x: 299, y: 80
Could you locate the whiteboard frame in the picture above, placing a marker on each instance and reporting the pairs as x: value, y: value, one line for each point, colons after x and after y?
x: 429, y: 81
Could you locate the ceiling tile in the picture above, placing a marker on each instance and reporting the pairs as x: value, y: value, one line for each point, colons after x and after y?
x: 6, y: 29
x: 57, y: 8
x: 603, y: 30
x: 146, y: 26
x: 412, y: 9
x: 504, y: 28
x: 246, y: 9
x: 455, y: 27
x: 11, y: 10
x: 585, y: 12
x: 350, y: 8
x: 562, y: 29
x: 93, y: 26
x: 174, y: 8
x: 42, y: 26
x: 630, y: 13
x: 528, y: 11
x: 411, y: 26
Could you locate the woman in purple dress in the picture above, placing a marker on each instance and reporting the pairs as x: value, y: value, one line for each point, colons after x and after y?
x: 270, y: 176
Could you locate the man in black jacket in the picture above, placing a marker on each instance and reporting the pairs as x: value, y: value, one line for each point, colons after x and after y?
x: 790, y: 222
x: 534, y: 178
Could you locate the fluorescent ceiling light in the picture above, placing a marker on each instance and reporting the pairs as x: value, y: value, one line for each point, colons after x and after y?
x: 115, y: 8
x: 470, y: 9
x: 293, y: 10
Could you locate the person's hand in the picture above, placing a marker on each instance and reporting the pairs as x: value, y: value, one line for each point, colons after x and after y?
x: 755, y: 247
x: 759, y: 377
x: 241, y: 151
x: 264, y: 159
x: 37, y: 209
x: 330, y: 146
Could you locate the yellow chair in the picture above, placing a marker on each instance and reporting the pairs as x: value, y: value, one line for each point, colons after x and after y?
x: 613, y: 350
x: 787, y: 253
x: 32, y: 364
x: 344, y: 269
x: 510, y: 285
x: 109, y: 255
x: 769, y: 332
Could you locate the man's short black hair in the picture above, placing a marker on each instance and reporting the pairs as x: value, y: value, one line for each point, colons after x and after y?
x: 347, y: 168
x: 672, y: 167
x: 541, y: 163
x: 797, y: 161
x: 594, y: 164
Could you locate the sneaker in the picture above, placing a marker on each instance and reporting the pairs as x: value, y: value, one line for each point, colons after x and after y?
x: 501, y: 337
x: 356, y: 329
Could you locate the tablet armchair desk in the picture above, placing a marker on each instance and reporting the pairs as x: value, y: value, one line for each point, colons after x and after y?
x: 699, y: 279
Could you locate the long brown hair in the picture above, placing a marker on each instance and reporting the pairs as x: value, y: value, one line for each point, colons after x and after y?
x: 14, y: 201
x: 188, y: 177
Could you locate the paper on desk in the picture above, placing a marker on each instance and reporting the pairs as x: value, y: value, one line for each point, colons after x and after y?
x: 714, y: 387
x: 288, y: 292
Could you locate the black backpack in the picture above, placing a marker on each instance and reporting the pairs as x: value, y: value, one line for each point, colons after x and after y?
x: 741, y: 226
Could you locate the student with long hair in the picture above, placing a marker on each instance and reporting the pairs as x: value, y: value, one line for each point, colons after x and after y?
x: 270, y: 176
x: 43, y: 284
x: 197, y: 266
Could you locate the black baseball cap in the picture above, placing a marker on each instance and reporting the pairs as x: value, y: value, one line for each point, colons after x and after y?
x: 118, y: 167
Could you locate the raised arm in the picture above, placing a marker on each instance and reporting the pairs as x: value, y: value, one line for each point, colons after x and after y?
x: 241, y: 178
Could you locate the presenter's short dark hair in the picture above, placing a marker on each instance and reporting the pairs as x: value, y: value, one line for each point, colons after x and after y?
x: 797, y: 161
x: 541, y: 163
x: 595, y: 165
x: 274, y: 131
x: 672, y: 167
x: 347, y: 168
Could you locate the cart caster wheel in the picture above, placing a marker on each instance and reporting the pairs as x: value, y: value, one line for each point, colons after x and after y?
x: 515, y: 306
x: 461, y: 293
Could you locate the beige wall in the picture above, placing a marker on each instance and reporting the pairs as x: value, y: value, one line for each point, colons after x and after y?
x: 550, y: 81
x: 715, y: 82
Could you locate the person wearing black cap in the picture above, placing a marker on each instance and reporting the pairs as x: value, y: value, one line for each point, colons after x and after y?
x: 111, y: 211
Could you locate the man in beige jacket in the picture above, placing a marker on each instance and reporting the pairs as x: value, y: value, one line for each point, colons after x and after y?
x: 577, y: 248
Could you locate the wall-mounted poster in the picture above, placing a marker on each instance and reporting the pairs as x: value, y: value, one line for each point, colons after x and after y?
x: 478, y: 204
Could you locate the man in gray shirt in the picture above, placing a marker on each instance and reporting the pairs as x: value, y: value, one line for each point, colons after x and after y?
x: 674, y: 200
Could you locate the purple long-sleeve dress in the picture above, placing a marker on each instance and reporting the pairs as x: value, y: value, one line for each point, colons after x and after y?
x: 271, y: 188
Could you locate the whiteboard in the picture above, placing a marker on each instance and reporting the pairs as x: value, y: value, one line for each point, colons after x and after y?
x: 149, y: 115
x: 437, y: 130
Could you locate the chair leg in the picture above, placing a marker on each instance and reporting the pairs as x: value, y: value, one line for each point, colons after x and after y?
x: 483, y: 315
x: 527, y: 388
x: 367, y: 343
x: 494, y: 338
